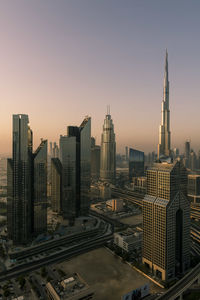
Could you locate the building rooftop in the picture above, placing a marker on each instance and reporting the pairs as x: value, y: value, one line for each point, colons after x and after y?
x: 164, y: 166
x: 156, y: 200
x: 71, y: 288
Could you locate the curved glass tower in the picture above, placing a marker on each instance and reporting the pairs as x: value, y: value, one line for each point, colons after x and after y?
x: 108, y: 151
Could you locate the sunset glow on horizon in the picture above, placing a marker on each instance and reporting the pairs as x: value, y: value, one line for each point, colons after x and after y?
x: 63, y: 60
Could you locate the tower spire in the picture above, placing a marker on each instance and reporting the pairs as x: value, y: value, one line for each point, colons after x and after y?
x: 164, y: 132
x: 166, y: 71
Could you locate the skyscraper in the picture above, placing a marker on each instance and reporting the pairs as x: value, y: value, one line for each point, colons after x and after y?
x: 164, y: 145
x: 187, y: 154
x: 19, y: 182
x: 166, y: 220
x: 95, y: 159
x: 40, y: 188
x: 56, y: 185
x: 136, y: 163
x: 27, y: 184
x: 108, y: 151
x: 75, y: 155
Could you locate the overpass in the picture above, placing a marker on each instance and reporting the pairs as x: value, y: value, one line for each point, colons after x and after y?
x: 67, y: 253
x: 177, y: 290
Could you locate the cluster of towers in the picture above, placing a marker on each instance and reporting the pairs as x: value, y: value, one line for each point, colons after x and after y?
x: 27, y: 182
x: 70, y: 175
x: 166, y: 209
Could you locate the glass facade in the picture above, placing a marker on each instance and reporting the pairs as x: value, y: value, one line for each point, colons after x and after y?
x: 22, y: 192
x: 75, y: 155
x: 56, y: 185
x: 40, y: 188
x: 136, y: 163
x: 27, y: 184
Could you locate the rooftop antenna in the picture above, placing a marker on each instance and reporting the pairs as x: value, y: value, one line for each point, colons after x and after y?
x: 108, y: 109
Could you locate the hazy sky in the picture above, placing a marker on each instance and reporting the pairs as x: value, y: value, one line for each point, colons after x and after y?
x: 63, y: 60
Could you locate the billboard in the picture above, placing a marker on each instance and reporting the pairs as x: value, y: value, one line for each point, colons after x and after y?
x: 137, y: 294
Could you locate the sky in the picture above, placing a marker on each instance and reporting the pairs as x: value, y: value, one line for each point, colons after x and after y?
x: 62, y: 60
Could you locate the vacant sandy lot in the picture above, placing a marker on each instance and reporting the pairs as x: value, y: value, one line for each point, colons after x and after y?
x: 133, y: 220
x: 106, y: 274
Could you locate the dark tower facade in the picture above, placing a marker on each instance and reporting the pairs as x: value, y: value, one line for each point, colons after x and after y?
x: 40, y: 188
x: 75, y: 155
x: 27, y: 184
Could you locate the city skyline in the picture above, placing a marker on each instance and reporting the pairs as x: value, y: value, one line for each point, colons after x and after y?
x: 60, y: 59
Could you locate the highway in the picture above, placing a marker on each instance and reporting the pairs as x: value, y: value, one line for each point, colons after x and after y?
x: 137, y: 198
x: 181, y: 285
x: 52, y: 244
x: 57, y: 257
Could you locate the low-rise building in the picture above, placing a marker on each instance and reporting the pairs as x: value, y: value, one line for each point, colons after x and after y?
x: 71, y: 288
x: 117, y: 205
x: 128, y: 240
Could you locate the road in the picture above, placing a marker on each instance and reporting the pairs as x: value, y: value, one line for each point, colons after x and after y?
x: 68, y: 253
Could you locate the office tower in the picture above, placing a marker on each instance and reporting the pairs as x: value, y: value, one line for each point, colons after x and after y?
x: 51, y: 149
x: 93, y: 142
x: 95, y: 160
x: 193, y: 160
x: 166, y: 220
x: 175, y: 152
x: 40, y: 188
x: 10, y: 214
x: 164, y: 130
x: 27, y: 184
x: 55, y: 150
x: 136, y: 163
x: 194, y: 188
x: 126, y: 153
x: 75, y: 154
x: 56, y: 185
x: 19, y: 182
x: 187, y: 154
x: 108, y: 151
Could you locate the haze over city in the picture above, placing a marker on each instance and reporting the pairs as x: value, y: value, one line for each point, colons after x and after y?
x: 61, y: 62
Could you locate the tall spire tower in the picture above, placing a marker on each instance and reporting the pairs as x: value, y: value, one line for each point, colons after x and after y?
x: 164, y: 129
x: 108, y: 150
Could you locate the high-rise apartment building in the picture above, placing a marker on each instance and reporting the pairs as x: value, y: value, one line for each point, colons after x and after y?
x: 166, y: 220
x: 40, y: 188
x: 75, y: 155
x: 56, y: 185
x: 27, y: 184
x: 164, y: 145
x: 108, y: 151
